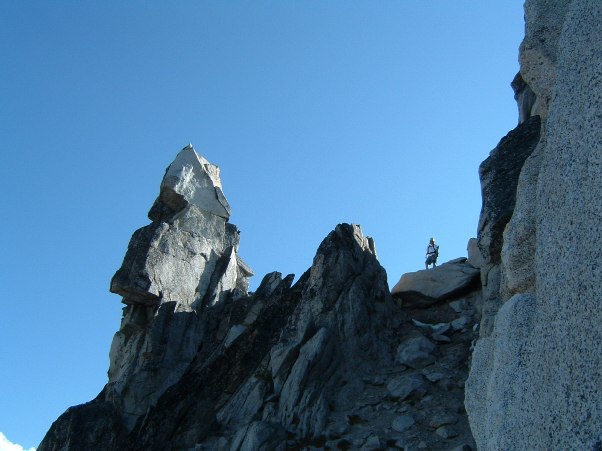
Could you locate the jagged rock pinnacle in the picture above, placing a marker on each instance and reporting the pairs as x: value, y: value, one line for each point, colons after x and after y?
x: 174, y: 258
x: 182, y: 262
x: 191, y: 179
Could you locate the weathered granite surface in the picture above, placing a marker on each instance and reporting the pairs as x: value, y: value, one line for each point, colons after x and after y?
x: 428, y: 286
x: 536, y: 381
x: 544, y: 20
x: 185, y: 259
x: 475, y: 258
x: 525, y: 98
x: 499, y: 175
x: 330, y: 361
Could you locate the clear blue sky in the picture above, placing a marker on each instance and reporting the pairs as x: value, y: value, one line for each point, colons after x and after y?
x: 317, y: 112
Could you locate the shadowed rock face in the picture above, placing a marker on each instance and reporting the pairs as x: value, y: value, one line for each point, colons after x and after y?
x: 184, y: 260
x: 499, y: 175
x: 535, y: 380
x: 199, y: 363
x: 427, y: 287
x: 275, y: 357
x: 499, y: 179
x: 283, y: 353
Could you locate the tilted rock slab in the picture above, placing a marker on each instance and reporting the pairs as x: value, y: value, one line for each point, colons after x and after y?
x: 525, y: 99
x: 424, y: 288
x: 535, y: 381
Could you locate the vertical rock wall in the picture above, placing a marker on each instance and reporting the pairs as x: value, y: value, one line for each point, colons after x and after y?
x: 536, y: 381
x: 499, y: 175
x: 185, y: 259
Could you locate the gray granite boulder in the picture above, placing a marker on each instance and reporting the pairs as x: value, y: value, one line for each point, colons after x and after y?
x: 402, y: 422
x: 424, y: 288
x: 416, y: 352
x: 191, y: 180
x: 189, y: 253
x: 403, y: 386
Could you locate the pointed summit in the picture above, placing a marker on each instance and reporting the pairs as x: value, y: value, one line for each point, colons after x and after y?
x: 175, y: 257
x: 191, y: 179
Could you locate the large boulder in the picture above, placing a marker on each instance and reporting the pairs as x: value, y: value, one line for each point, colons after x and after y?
x: 426, y: 287
x: 188, y: 246
x: 416, y: 352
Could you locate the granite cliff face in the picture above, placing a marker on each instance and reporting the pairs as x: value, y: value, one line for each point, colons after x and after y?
x: 329, y: 362
x: 336, y: 361
x: 184, y: 259
x: 536, y: 377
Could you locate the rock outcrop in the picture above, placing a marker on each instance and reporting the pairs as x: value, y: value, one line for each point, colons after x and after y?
x: 330, y: 361
x: 525, y: 99
x: 535, y: 379
x: 446, y: 281
x: 334, y: 360
x: 499, y: 175
x: 185, y: 259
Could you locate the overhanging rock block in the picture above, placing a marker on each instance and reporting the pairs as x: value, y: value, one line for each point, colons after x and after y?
x: 421, y: 289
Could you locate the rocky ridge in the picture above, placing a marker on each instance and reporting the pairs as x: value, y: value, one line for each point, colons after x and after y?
x: 332, y: 361
x: 335, y: 361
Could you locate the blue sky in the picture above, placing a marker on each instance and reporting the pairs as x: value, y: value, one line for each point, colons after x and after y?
x: 372, y: 112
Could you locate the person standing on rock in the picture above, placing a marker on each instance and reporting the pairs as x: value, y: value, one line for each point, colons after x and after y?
x: 432, y: 252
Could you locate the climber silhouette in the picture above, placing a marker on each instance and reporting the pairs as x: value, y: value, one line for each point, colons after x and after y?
x: 432, y: 252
